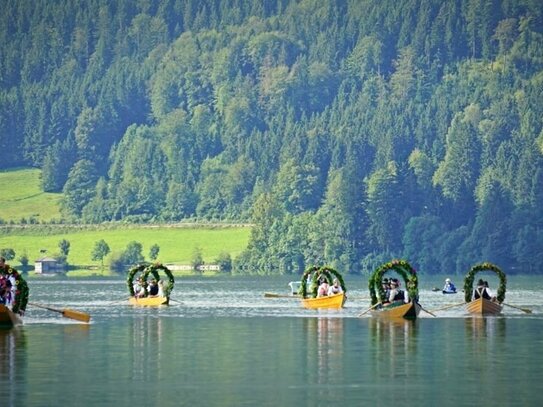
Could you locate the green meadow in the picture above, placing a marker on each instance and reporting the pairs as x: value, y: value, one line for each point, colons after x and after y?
x: 21, y: 197
x: 177, y: 244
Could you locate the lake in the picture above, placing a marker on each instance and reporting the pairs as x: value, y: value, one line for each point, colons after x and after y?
x: 222, y: 343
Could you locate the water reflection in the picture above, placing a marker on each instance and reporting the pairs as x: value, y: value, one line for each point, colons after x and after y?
x: 77, y: 331
x: 147, y: 335
x: 324, y: 348
x: 395, y: 344
x: 490, y: 328
x: 12, y: 365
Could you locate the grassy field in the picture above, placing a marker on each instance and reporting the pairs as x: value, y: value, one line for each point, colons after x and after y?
x: 177, y: 244
x: 22, y: 197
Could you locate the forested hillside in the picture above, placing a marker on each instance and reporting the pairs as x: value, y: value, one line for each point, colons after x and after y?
x: 349, y: 132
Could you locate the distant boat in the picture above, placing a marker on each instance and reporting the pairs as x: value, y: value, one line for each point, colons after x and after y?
x: 314, y: 276
x: 150, y: 271
x: 328, y: 301
x: 8, y: 319
x: 449, y: 291
x: 398, y: 309
x: 483, y: 306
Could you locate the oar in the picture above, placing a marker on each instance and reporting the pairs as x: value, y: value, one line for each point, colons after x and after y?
x: 273, y: 295
x: 369, y: 309
x: 179, y: 302
x: 428, y: 312
x: 67, y: 313
x: 449, y: 306
x: 526, y: 310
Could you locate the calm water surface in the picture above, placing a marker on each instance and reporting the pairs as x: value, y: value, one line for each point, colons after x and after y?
x: 222, y: 343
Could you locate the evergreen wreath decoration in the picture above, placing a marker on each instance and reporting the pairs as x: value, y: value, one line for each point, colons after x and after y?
x: 316, y: 273
x: 130, y: 278
x: 404, y: 269
x: 470, y: 278
x: 154, y: 270
x: 21, y: 289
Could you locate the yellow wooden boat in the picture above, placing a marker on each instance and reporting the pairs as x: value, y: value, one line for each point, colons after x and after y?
x: 149, y: 301
x: 411, y: 310
x: 482, y: 306
x: 328, y: 301
x: 8, y: 319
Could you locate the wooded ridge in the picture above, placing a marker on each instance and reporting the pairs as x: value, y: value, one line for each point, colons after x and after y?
x: 347, y: 132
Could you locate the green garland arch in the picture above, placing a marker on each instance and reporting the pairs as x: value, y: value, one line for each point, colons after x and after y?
x: 21, y: 289
x: 154, y: 270
x: 130, y: 278
x: 470, y: 278
x: 145, y: 269
x: 316, y: 274
x: 404, y: 269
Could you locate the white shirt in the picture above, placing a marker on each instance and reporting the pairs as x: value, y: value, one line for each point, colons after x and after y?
x: 334, y: 290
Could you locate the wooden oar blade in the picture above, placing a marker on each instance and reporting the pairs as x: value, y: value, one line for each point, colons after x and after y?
x: 79, y: 316
x: 526, y: 310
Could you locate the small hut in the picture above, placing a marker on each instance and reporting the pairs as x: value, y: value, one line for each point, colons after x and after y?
x: 47, y: 265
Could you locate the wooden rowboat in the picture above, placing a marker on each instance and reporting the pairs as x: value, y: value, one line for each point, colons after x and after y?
x: 329, y: 301
x: 149, y: 301
x: 482, y: 306
x: 8, y: 319
x: 410, y: 310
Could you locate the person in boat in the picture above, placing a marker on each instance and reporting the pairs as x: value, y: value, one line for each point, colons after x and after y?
x: 481, y: 291
x: 139, y: 288
x: 6, y: 292
x: 449, y: 287
x: 395, y: 295
x: 386, y: 289
x: 323, y: 288
x: 160, y: 286
x: 335, y: 288
x: 2, y: 289
x: 153, y: 288
x: 489, y: 292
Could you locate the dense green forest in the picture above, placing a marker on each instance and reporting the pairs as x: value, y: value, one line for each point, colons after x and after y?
x: 348, y: 131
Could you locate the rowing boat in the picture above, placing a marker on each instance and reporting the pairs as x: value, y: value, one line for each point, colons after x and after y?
x: 8, y: 319
x: 145, y: 295
x: 482, y: 306
x: 328, y: 301
x: 410, y: 310
x: 149, y: 301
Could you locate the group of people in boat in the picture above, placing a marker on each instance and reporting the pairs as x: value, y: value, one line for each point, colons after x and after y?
x: 482, y: 291
x: 7, y: 285
x: 154, y: 289
x: 394, y: 295
x: 327, y: 289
